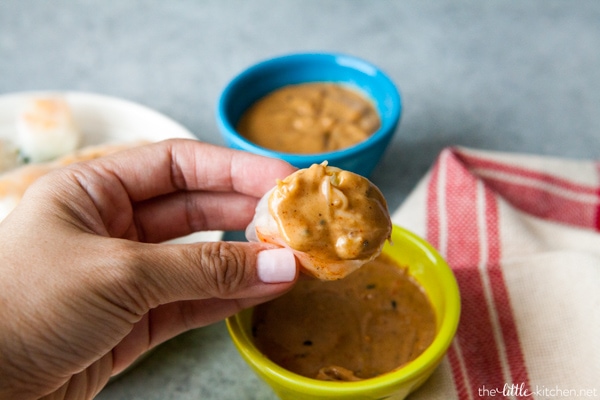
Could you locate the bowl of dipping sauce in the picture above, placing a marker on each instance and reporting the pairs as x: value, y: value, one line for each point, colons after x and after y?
x: 307, y: 108
x: 379, y: 333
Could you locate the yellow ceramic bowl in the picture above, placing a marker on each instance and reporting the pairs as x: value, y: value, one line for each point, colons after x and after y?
x: 436, y: 278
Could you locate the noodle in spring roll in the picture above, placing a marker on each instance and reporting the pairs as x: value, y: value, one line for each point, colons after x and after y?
x: 9, y: 156
x: 334, y: 220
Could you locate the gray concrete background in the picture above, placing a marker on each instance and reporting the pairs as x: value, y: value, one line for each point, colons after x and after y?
x: 518, y: 76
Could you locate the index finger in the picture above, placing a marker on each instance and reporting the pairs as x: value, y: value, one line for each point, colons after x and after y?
x: 138, y: 193
x: 189, y: 165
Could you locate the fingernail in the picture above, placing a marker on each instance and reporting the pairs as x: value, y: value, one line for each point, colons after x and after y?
x: 276, y: 265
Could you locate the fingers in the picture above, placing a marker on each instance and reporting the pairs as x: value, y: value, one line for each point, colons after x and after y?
x: 190, y: 165
x: 169, y: 189
x: 161, y: 219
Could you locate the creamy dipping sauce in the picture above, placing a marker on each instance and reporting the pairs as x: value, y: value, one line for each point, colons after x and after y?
x: 370, y: 323
x: 336, y: 219
x: 310, y: 118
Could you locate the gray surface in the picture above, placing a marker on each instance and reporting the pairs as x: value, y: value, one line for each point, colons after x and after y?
x: 503, y: 75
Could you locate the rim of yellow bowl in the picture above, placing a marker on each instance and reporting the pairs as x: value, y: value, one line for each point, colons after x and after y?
x: 427, y: 360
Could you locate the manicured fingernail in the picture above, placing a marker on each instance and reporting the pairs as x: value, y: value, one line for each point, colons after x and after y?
x: 276, y: 265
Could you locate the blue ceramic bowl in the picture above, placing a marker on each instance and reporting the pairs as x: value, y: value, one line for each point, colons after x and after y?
x: 266, y: 76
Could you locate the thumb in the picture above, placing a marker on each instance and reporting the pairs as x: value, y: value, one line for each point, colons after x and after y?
x: 217, y: 280
x: 161, y: 273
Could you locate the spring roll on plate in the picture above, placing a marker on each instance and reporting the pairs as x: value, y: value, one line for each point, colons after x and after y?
x: 46, y: 129
x: 14, y: 183
x: 333, y: 220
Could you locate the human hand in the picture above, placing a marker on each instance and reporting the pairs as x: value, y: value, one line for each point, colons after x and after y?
x: 85, y: 288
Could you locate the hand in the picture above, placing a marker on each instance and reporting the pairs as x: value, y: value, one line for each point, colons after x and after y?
x: 85, y: 288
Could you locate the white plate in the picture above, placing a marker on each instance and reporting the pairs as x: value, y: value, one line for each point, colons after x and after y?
x: 104, y: 119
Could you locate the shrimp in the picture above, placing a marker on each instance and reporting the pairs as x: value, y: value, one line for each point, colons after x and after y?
x: 334, y: 220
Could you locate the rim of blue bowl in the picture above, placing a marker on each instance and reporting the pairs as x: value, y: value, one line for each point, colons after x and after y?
x: 388, y: 125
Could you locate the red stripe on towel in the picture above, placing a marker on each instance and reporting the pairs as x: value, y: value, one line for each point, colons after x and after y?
x: 598, y: 193
x: 473, y: 162
x: 476, y: 361
x: 475, y: 336
x: 506, y: 320
x: 433, y: 237
x: 540, y: 194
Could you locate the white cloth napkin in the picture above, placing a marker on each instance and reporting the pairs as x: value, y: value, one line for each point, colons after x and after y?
x: 522, y: 235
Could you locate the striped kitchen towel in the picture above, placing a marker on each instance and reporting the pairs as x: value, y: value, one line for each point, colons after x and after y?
x: 522, y: 235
